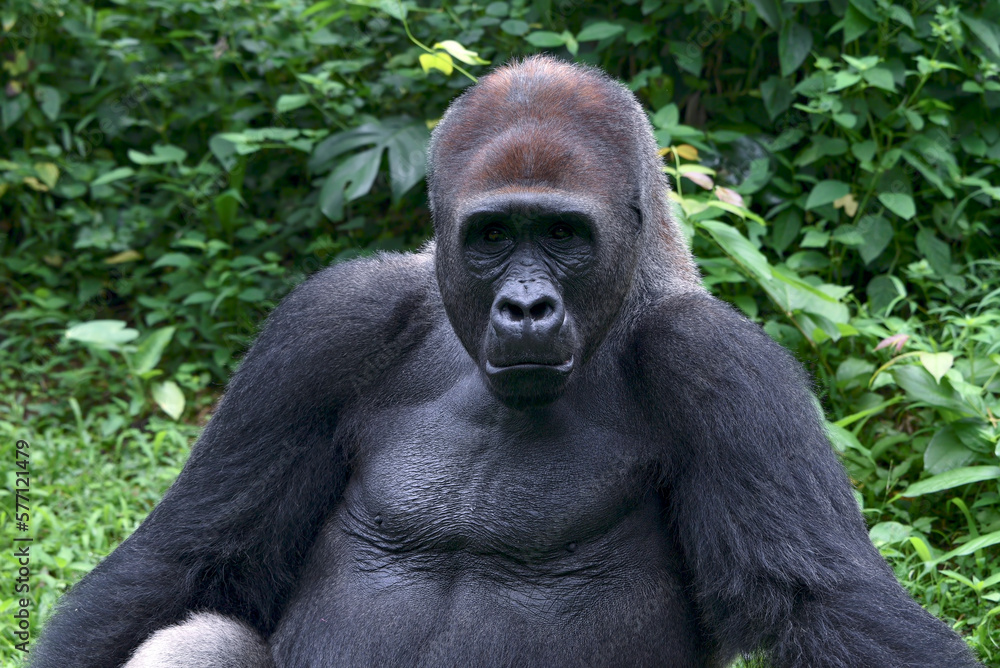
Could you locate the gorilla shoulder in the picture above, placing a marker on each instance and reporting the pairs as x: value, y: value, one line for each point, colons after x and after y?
x: 695, y: 348
x: 365, y: 311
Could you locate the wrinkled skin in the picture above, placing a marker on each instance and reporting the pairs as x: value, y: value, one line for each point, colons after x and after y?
x: 536, y: 442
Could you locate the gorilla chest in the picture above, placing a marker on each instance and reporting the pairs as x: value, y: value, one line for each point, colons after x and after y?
x: 446, y: 477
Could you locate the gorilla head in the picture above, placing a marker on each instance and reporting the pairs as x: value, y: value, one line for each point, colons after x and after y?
x: 547, y: 193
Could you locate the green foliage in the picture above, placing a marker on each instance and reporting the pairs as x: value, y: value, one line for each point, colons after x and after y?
x: 169, y: 170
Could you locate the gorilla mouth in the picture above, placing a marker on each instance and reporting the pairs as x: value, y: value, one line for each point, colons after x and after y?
x: 562, y: 368
x: 528, y: 384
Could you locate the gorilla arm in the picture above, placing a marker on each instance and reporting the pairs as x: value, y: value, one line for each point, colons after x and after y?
x: 777, y: 549
x: 231, y: 533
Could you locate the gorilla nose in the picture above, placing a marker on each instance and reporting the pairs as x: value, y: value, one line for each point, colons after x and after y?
x: 537, y: 312
x: 528, y: 325
x: 539, y: 315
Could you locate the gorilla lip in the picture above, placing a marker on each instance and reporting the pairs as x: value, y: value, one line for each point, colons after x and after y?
x: 561, y: 367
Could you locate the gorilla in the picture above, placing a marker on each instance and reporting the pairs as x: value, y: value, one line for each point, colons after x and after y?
x: 536, y: 442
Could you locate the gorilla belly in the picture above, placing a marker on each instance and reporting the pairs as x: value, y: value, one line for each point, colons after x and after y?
x: 457, y: 544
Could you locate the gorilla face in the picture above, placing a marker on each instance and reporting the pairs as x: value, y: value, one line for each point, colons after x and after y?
x: 528, y: 251
x: 535, y: 280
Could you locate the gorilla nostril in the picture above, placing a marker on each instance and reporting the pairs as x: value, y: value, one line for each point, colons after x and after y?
x: 513, y: 311
x: 540, y: 310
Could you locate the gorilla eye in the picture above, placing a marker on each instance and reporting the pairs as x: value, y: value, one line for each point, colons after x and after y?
x: 494, y: 234
x: 561, y: 231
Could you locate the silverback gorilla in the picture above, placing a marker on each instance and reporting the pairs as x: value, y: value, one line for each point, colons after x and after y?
x: 538, y: 442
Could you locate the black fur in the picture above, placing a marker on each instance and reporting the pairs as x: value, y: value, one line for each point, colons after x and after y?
x: 526, y: 445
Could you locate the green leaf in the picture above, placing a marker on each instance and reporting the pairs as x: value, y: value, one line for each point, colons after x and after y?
x: 437, y: 61
x: 849, y: 235
x: 103, y: 334
x: 179, y: 260
x: 974, y: 545
x: 844, y: 79
x: 877, y: 232
x: 920, y: 386
x: 843, y: 440
x: 407, y: 150
x: 497, y: 9
x: 825, y: 192
x: 900, y: 204
x: 406, y: 143
x: 937, y: 364
x: 794, y: 44
x: 867, y: 8
x: 112, y: 176
x: 291, y: 102
x: 318, y: 7
x: 945, y: 452
x: 260, y: 135
x: 169, y: 397
x: 47, y: 172
x: 846, y: 120
x: 777, y: 95
x: 199, y: 297
x: 716, y: 7
x: 227, y: 147
x: 252, y: 295
x: 901, y: 15
x: 571, y: 44
x: 149, y: 352
x: 785, y: 229
x: 936, y: 252
x: 923, y: 551
x: 954, y: 478
x: 855, y: 24
x: 880, y: 77
x: 688, y: 56
x: 161, y: 154
x: 352, y: 179
x: 975, y: 434
x: 667, y: 117
x: 769, y: 11
x: 757, y: 177
x: 821, y: 147
x: 883, y: 291
x: 516, y: 27
x: 598, y: 31
x: 49, y: 101
x: 864, y: 151
x: 889, y: 533
x: 226, y: 205
x: 815, y: 239
x: 545, y: 39
x: 393, y: 8
x: 11, y: 109
x: 861, y: 64
x: 460, y: 53
x: 735, y: 245
x: 986, y: 32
